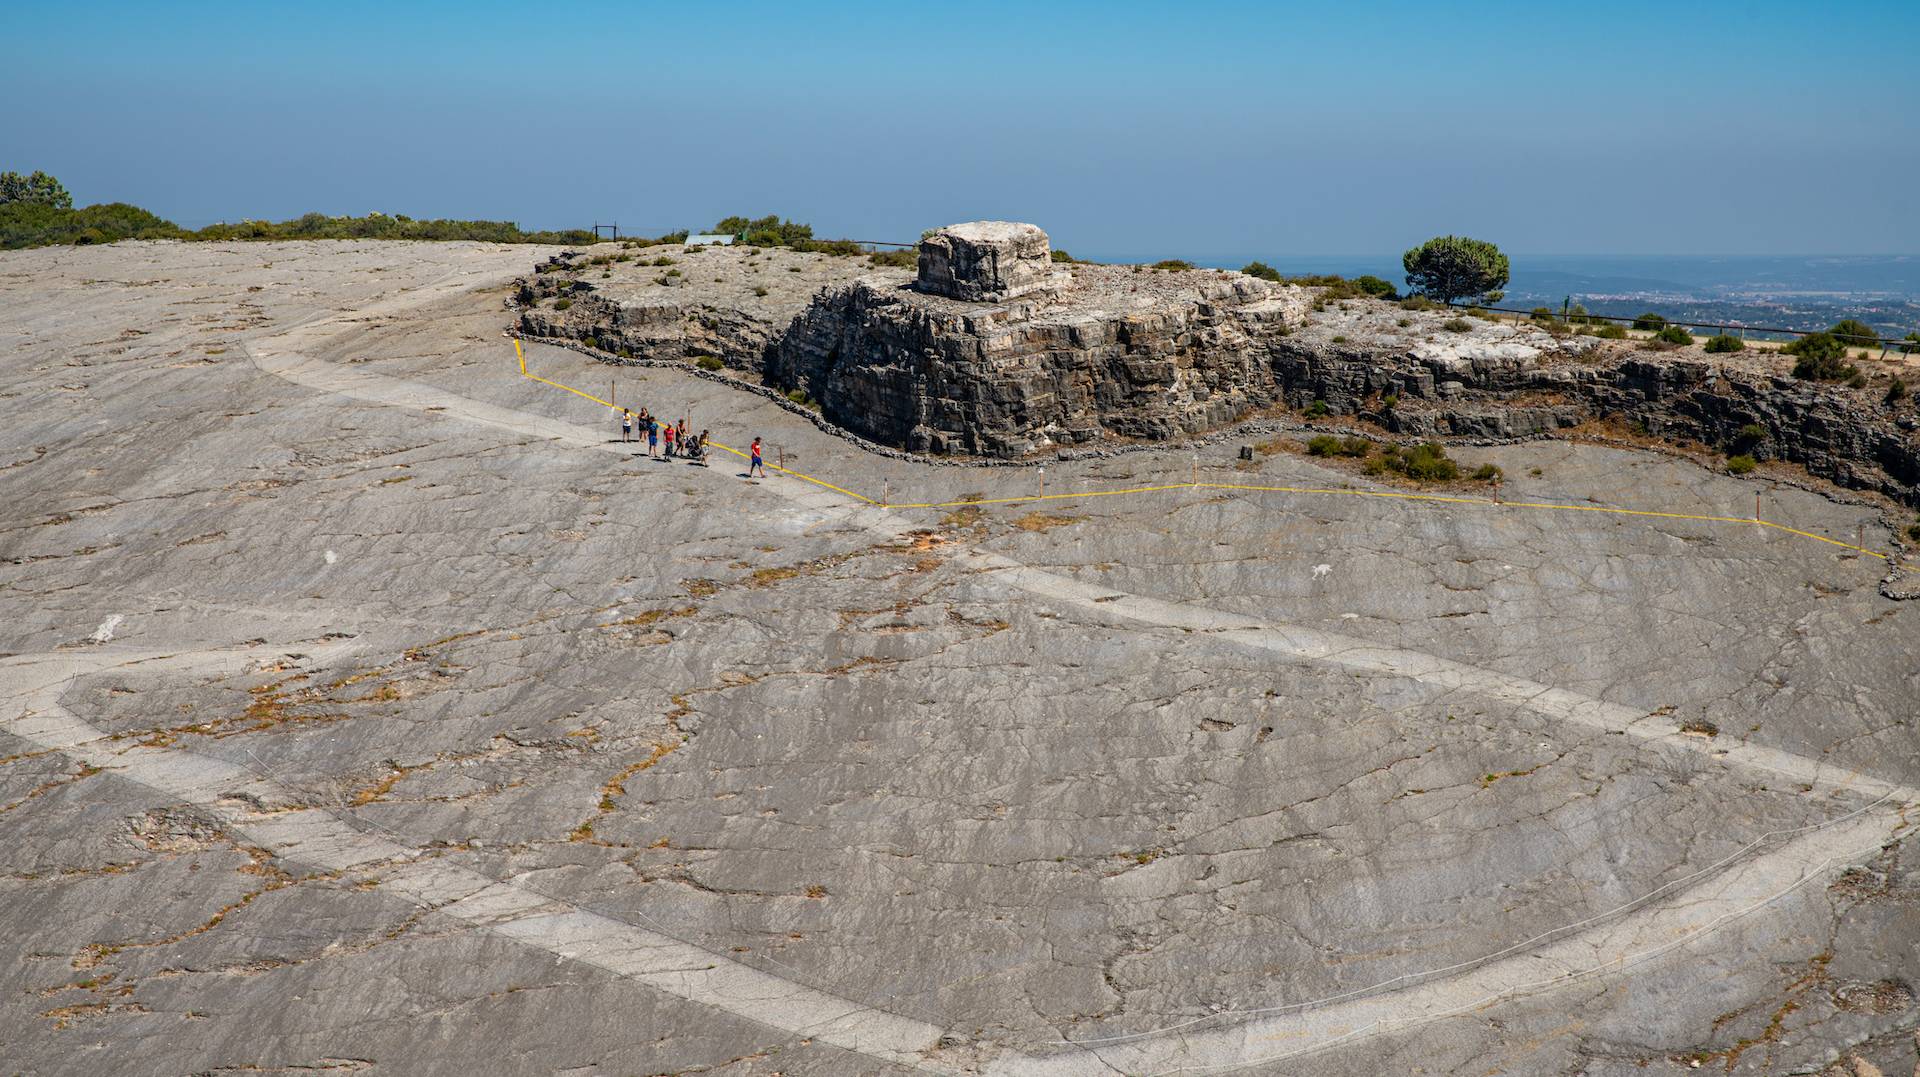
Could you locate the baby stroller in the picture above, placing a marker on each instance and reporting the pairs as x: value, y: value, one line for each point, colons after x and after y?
x: 695, y: 449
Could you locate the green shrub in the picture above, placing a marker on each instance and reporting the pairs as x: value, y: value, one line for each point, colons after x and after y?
x: 1376, y: 287
x: 839, y: 248
x: 1724, y: 342
x: 768, y: 231
x: 673, y: 272
x: 1257, y: 269
x: 1673, y: 334
x: 1328, y: 445
x: 1858, y: 381
x: 759, y: 291
x: 1456, y: 325
x: 1543, y: 314
x: 591, y: 342
x: 1854, y: 332
x: 1417, y: 302
x: 708, y: 362
x: 562, y: 303
x: 1390, y: 402
x: 906, y: 258
x: 1173, y: 264
x: 1910, y: 344
x: 663, y: 260
x: 798, y: 396
x: 1487, y: 473
x: 1403, y: 322
x: 1317, y: 410
x: 1896, y: 390
x: 1820, y: 357
x: 1741, y: 465
x: 1747, y: 438
x: 1650, y: 322
x: 1610, y: 331
x: 38, y: 224
x: 1428, y: 462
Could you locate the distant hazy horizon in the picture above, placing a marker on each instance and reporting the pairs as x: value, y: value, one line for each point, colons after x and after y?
x: 1124, y: 128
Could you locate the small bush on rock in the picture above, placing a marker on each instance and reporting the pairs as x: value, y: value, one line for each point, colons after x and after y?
x: 1741, y: 464
x: 1720, y: 343
x: 1457, y: 325
x: 1610, y: 332
x: 1255, y: 269
x: 1328, y: 445
x: 1376, y: 286
x: 1820, y: 357
x: 1422, y: 463
x: 1317, y: 410
x: 1650, y: 322
x: 1673, y: 334
x: 709, y: 362
x: 1747, y: 437
x: 562, y: 304
x: 1173, y: 264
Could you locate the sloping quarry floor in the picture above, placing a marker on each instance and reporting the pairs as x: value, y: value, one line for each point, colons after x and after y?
x: 366, y: 707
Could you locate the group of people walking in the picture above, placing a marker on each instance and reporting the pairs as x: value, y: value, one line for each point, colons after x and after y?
x: 678, y: 441
x: 675, y: 436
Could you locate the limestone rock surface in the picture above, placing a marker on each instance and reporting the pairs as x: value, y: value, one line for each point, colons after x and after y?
x: 985, y: 261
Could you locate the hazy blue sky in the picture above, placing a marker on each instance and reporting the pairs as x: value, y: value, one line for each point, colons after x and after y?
x: 1123, y: 129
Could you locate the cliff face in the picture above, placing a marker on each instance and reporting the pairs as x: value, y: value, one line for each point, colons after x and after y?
x: 1849, y: 436
x: 1151, y: 359
x: 673, y: 302
x: 908, y: 370
x: 1090, y: 353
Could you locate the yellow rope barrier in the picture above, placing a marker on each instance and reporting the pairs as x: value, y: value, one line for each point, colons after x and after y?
x: 1482, y: 502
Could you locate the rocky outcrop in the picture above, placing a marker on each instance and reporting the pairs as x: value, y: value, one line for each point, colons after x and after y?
x: 1111, y: 353
x: 984, y: 261
x: 657, y: 330
x: 1103, y: 354
x: 671, y: 302
x: 1206, y: 350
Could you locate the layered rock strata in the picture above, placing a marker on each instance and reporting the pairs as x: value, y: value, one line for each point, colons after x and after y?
x: 984, y: 261
x: 1122, y: 352
x: 1111, y: 352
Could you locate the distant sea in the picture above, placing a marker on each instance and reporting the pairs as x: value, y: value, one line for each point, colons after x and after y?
x: 1788, y: 291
